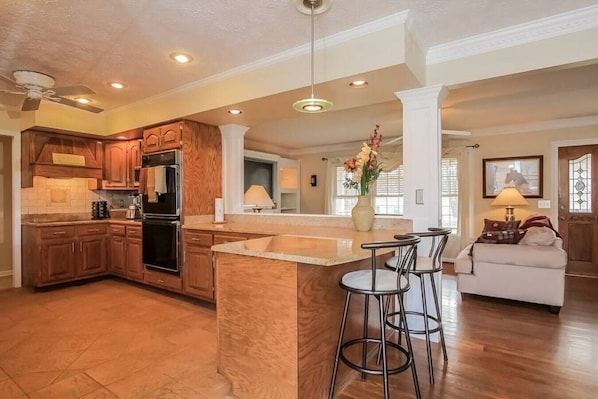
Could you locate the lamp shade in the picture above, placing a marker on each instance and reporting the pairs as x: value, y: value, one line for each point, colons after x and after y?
x: 256, y: 195
x: 509, y: 196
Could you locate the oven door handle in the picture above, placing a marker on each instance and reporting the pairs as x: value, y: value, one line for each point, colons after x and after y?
x: 161, y: 221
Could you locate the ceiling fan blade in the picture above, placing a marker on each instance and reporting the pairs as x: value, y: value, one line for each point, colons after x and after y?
x: 76, y: 104
x: 72, y: 90
x: 31, y: 104
x: 12, y: 92
x: 8, y: 80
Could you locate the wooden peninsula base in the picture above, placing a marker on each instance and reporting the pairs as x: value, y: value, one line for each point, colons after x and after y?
x: 278, y: 320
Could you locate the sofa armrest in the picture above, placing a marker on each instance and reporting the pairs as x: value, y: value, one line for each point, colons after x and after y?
x: 558, y: 242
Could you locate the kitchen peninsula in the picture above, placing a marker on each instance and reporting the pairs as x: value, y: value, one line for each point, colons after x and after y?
x: 279, y: 303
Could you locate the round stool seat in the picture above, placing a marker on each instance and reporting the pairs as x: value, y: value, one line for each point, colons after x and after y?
x: 387, y: 282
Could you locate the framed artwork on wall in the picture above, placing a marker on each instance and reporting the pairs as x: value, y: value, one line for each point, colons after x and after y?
x: 524, y: 173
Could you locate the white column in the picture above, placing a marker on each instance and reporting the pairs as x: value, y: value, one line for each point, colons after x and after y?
x: 233, y: 148
x: 422, y: 155
x: 422, y: 146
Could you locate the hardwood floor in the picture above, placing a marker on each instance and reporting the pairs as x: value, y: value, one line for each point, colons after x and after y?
x: 111, y: 339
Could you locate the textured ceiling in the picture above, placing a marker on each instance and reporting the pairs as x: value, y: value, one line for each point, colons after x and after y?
x: 92, y: 42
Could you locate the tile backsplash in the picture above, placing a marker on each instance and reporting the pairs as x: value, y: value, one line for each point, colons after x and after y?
x: 65, y: 196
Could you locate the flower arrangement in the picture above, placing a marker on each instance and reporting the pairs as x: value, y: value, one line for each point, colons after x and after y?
x: 365, y: 166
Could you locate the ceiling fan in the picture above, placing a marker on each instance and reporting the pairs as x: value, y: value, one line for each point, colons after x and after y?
x: 37, y: 86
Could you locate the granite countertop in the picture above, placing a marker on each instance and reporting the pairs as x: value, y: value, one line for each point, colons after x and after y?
x: 312, y: 248
x: 42, y: 223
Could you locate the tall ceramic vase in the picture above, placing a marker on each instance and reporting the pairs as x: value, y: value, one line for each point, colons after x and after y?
x: 363, y: 214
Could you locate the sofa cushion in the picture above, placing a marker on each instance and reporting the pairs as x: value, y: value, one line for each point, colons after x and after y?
x: 538, y: 236
x: 522, y: 255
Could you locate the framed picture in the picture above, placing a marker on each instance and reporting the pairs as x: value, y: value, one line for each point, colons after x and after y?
x: 524, y: 173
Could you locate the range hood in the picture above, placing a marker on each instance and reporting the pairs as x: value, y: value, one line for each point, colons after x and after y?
x: 59, y: 155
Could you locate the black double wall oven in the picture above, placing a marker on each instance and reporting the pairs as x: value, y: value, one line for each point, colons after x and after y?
x: 161, y: 211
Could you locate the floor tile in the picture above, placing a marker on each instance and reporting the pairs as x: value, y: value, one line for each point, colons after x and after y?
x: 175, y: 390
x: 10, y: 390
x: 101, y: 393
x: 70, y: 388
x: 140, y: 383
x: 30, y: 382
x: 116, y: 369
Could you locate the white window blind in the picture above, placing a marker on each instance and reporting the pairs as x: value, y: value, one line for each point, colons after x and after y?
x: 449, y: 192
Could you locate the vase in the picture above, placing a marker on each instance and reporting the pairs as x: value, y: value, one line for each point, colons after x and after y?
x: 363, y: 214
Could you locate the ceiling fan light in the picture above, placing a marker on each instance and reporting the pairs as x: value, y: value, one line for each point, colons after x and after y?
x: 83, y: 100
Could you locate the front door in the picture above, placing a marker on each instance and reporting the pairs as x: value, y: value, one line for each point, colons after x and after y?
x: 578, y: 207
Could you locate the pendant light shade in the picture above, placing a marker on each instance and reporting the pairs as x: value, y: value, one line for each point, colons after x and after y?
x: 312, y: 105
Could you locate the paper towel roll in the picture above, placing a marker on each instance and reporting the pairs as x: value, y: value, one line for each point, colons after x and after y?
x: 219, y: 210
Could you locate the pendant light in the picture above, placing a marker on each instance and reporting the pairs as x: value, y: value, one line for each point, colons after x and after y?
x: 312, y: 105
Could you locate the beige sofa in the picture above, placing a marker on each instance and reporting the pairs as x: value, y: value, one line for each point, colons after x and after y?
x: 530, y: 273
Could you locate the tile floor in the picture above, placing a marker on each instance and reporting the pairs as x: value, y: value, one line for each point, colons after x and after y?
x: 106, y: 339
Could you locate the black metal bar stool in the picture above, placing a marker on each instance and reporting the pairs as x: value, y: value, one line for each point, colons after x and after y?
x: 426, y: 266
x: 383, y: 285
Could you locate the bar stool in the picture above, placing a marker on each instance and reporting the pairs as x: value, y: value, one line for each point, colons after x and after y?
x: 382, y: 284
x: 426, y: 266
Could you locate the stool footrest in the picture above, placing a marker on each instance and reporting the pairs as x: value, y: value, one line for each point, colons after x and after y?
x: 363, y: 341
x: 431, y: 318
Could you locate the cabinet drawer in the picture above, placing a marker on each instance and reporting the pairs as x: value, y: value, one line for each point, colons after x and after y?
x: 223, y: 239
x: 133, y: 232
x: 164, y: 280
x: 91, y: 229
x: 57, y: 232
x: 117, y: 230
x: 194, y: 238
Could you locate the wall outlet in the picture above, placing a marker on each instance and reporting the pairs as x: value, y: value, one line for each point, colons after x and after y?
x: 544, y: 203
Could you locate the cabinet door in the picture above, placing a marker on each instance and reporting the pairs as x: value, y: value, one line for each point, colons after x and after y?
x: 134, y: 259
x: 118, y: 255
x: 133, y: 162
x: 198, y: 274
x: 115, y: 165
x: 91, y: 259
x: 170, y: 136
x: 58, y: 257
x: 151, y: 140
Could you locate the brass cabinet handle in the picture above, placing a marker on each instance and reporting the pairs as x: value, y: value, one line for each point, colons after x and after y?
x: 160, y: 281
x: 80, y: 246
x: 73, y: 247
x: 93, y: 230
x: 59, y: 233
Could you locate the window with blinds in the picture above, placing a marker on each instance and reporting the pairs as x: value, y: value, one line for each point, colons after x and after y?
x: 389, y: 189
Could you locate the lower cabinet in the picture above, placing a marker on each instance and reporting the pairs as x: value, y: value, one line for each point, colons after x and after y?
x: 126, y: 252
x: 198, y: 261
x: 57, y: 254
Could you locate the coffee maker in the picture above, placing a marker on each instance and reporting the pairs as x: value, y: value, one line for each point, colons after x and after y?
x: 133, y: 211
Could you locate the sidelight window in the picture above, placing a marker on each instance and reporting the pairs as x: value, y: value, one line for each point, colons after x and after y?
x: 580, y: 184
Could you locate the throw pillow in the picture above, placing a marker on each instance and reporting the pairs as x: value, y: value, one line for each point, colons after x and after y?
x: 500, y: 225
x: 539, y: 221
x: 538, y: 236
x: 501, y: 237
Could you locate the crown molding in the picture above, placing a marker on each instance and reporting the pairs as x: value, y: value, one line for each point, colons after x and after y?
x: 540, y: 29
x: 537, y: 126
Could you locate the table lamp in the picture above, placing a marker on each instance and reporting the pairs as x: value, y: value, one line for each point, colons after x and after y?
x: 509, y: 197
x: 257, y: 197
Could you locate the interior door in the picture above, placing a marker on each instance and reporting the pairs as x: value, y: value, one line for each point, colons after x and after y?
x: 578, y: 207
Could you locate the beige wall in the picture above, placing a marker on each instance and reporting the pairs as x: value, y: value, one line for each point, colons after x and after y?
x: 522, y: 144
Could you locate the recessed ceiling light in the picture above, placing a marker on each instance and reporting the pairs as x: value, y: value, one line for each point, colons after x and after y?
x: 181, y: 58
x: 358, y: 83
x: 117, y: 85
x: 83, y: 100
x: 235, y: 111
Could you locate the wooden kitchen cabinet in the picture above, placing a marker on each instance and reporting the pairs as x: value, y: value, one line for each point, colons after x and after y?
x: 117, y: 250
x: 198, y: 260
x: 57, y: 254
x: 126, y: 251
x: 122, y: 162
x: 161, y: 138
x: 198, y: 271
x: 134, y: 253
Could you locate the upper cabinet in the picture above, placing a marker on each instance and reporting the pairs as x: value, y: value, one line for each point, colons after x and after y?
x: 59, y: 155
x: 122, y: 162
x: 160, y: 138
